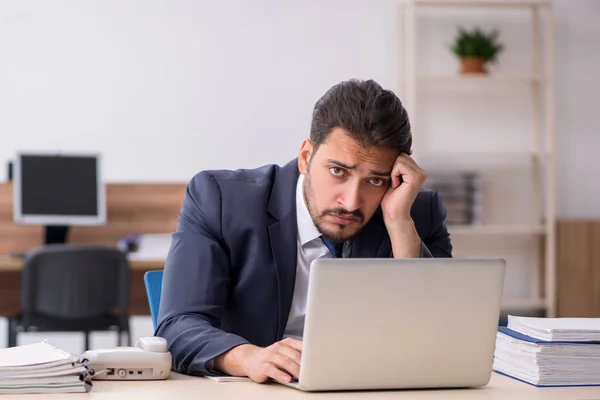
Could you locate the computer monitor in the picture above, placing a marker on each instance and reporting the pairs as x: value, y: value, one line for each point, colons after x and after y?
x: 58, y: 191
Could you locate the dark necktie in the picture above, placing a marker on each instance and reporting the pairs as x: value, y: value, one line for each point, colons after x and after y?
x: 334, y: 247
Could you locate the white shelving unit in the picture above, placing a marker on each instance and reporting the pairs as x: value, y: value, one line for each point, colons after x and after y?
x: 507, y: 79
x: 538, y: 157
x: 489, y: 229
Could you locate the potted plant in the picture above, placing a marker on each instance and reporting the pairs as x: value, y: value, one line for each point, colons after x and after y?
x: 476, y: 48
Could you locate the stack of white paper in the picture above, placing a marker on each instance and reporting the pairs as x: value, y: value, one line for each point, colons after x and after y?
x: 557, y: 329
x: 528, y: 349
x: 42, y: 368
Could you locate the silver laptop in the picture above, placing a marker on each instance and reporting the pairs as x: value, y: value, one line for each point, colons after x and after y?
x: 400, y: 323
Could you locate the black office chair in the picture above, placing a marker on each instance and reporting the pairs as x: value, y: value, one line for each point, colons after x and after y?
x: 73, y: 288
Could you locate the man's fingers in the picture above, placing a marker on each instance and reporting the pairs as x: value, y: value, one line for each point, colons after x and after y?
x: 275, y: 373
x: 408, y: 160
x: 286, y: 364
x: 282, y: 362
x: 399, y: 170
x: 395, y: 181
x: 290, y: 352
x: 406, y: 166
x: 293, y: 343
x: 406, y: 163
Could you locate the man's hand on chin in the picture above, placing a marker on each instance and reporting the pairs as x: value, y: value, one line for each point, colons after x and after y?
x: 280, y: 361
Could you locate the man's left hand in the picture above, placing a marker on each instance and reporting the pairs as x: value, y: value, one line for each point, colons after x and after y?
x: 407, y: 180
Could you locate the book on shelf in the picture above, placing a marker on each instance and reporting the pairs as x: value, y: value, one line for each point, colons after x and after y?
x: 549, y: 351
x: 42, y: 368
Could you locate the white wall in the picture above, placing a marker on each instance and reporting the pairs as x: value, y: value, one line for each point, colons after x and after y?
x: 166, y: 88
x: 228, y: 84
x: 232, y: 83
x: 578, y: 123
x: 216, y: 84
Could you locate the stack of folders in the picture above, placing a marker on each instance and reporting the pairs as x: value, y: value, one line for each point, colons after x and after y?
x: 42, y: 368
x: 549, y: 351
x: 461, y: 193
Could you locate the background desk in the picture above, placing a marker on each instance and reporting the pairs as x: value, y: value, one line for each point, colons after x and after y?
x: 154, y: 208
x: 10, y: 286
x: 185, y: 387
x: 132, y: 208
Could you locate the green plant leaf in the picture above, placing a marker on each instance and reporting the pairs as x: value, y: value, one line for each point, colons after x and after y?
x: 477, y: 43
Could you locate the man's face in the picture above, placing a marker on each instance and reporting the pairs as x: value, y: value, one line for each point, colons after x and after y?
x: 344, y: 183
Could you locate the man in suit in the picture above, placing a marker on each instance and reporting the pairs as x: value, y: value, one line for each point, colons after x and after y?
x: 235, y: 281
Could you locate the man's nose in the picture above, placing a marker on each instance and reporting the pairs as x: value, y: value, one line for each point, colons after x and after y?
x: 351, y: 198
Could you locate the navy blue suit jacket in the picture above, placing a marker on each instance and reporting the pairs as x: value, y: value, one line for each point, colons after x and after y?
x: 229, y: 275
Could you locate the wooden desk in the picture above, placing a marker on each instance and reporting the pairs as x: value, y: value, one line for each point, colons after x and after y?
x: 185, y: 387
x: 131, y: 208
x: 10, y: 285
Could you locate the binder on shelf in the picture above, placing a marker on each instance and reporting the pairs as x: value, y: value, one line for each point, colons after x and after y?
x: 555, y: 362
x: 461, y: 193
x: 42, y: 368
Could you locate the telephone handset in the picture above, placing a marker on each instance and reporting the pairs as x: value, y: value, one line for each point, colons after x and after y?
x: 148, y: 360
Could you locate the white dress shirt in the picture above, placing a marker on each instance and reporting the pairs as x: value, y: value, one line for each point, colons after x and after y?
x: 309, y: 248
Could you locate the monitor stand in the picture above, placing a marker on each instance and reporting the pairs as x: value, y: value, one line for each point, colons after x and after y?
x: 56, y: 234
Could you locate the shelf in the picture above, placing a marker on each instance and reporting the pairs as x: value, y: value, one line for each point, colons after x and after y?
x: 522, y: 229
x: 523, y: 304
x: 481, y: 3
x: 480, y: 79
x: 490, y: 159
x: 478, y: 160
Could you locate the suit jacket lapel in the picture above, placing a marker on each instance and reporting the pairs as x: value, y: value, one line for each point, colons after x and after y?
x: 283, y: 236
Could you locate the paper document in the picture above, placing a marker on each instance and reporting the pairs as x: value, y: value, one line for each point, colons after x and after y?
x: 557, y: 329
x: 229, y: 378
x: 35, y: 354
x: 546, y: 363
x: 42, y: 368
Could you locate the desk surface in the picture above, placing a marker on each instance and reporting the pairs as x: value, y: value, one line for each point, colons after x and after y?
x: 15, y: 264
x: 185, y: 387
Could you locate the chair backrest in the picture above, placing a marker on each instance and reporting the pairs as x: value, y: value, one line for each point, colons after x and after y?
x: 75, y: 281
x: 153, y: 282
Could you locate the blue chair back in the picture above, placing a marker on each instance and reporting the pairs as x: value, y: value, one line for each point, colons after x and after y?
x: 153, y: 282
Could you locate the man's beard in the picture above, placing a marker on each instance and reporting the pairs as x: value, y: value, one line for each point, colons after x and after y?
x: 339, y: 236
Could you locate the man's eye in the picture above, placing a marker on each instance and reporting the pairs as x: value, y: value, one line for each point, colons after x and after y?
x: 337, y: 171
x: 377, y: 182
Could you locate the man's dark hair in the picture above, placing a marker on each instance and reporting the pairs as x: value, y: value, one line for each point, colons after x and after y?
x: 368, y: 113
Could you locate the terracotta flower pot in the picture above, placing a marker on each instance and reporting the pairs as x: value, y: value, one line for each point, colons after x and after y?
x: 472, y: 65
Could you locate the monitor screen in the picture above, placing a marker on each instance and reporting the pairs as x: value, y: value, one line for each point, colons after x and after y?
x: 58, y: 189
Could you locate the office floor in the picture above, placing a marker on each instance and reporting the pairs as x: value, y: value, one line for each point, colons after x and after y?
x: 74, y: 342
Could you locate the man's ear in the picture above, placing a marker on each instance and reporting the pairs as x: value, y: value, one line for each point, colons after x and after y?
x: 306, y: 150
